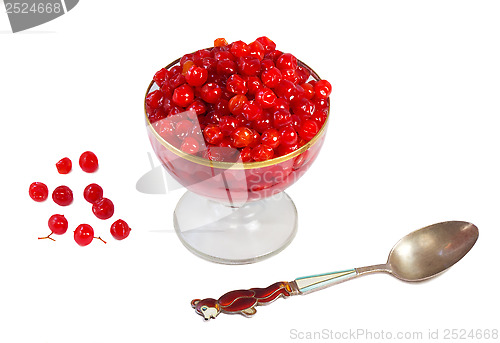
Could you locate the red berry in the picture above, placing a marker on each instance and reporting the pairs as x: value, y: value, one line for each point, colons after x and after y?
x: 190, y: 145
x: 210, y: 92
x: 120, y: 230
x: 303, y: 108
x: 236, y: 85
x: 251, y: 111
x: 183, y: 128
x: 271, y: 77
x: 62, y: 195
x: 263, y: 123
x: 265, y: 98
x: 322, y: 89
x: 220, y: 42
x: 160, y: 76
x: 227, y: 124
x: 58, y: 224
x: 267, y: 44
x: 281, y: 118
x: 256, y: 50
x: 64, y: 166
x: 308, y: 90
x: 246, y: 154
x: 266, y: 64
x: 154, y: 99
x: 88, y: 162
x: 254, y: 84
x: 308, y: 130
x: 93, y: 193
x: 286, y: 149
x: 198, y: 106
x: 271, y: 137
x: 262, y: 152
x: 236, y: 103
x: 226, y: 67
x: 249, y: 66
x: 242, y: 137
x: 196, y: 76
x: 84, y: 234
x: 38, y: 191
x: 213, y: 134
x: 288, y: 136
x: 103, y: 208
x: 239, y: 49
x: 286, y: 61
x: 183, y: 96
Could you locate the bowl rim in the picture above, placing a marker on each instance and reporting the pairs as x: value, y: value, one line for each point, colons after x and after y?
x: 237, y: 164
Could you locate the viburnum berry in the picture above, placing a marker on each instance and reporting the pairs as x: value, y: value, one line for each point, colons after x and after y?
x: 64, y: 166
x: 58, y: 225
x: 154, y: 99
x: 89, y: 162
x: 265, y: 98
x: 196, y: 76
x: 271, y: 138
x: 84, y: 235
x: 322, y: 89
x: 262, y: 152
x: 286, y: 61
x: 271, y: 77
x: 183, y: 96
x: 38, y: 191
x: 120, y: 229
x: 236, y: 85
x: 227, y: 124
x: 267, y: 44
x: 251, y: 111
x: 103, y: 208
x: 213, y: 134
x: 242, y: 137
x: 211, y: 92
x: 308, y: 130
x: 93, y: 193
x: 62, y: 195
x: 160, y: 76
x: 190, y: 145
x: 288, y: 136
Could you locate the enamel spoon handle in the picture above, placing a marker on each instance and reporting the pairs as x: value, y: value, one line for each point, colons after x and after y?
x: 244, y: 301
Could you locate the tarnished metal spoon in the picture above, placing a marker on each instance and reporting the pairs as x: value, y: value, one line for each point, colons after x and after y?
x: 418, y: 256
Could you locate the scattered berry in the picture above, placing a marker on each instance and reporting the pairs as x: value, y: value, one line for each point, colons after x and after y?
x: 88, y: 162
x: 58, y: 225
x: 38, y: 191
x: 93, y: 193
x: 120, y: 229
x: 62, y: 195
x: 64, y: 166
x: 103, y: 208
x: 84, y: 234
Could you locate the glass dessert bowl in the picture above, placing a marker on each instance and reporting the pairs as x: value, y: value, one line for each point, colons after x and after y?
x: 234, y: 212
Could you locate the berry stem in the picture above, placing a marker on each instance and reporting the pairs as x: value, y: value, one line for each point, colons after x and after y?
x: 100, y: 239
x: 48, y: 237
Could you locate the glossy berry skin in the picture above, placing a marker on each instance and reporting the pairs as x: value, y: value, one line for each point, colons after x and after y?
x: 58, y: 224
x: 103, y: 208
x: 281, y: 118
x: 211, y: 92
x: 190, y: 145
x: 267, y: 44
x: 265, y: 97
x: 236, y: 85
x: 262, y: 152
x: 84, y: 234
x: 242, y: 137
x: 271, y: 138
x: 322, y: 89
x: 196, y: 76
x: 161, y: 76
x: 246, y: 154
x: 286, y: 61
x: 303, y: 107
x: 38, y: 191
x: 227, y: 124
x: 251, y: 111
x: 271, y: 77
x: 93, y: 193
x: 249, y: 66
x: 64, y: 166
x: 62, y: 195
x: 308, y: 130
x: 120, y: 230
x: 288, y: 136
x: 183, y: 96
x: 89, y: 162
x: 213, y: 134
x: 154, y: 99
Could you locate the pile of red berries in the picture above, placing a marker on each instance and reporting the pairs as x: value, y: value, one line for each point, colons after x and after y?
x: 252, y: 98
x: 102, y: 208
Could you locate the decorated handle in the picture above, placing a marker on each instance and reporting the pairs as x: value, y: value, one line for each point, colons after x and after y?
x: 243, y: 301
x: 307, y: 284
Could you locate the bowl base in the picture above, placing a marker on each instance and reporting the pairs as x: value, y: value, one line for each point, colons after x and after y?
x: 226, y: 234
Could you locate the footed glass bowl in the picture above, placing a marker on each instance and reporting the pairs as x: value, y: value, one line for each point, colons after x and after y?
x: 234, y: 212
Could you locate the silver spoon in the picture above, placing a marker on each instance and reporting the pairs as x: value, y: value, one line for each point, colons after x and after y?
x: 418, y: 256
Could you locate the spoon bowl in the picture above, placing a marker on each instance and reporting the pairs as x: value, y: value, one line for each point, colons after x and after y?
x: 429, y: 251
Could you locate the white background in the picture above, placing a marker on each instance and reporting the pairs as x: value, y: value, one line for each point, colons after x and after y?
x: 413, y: 140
